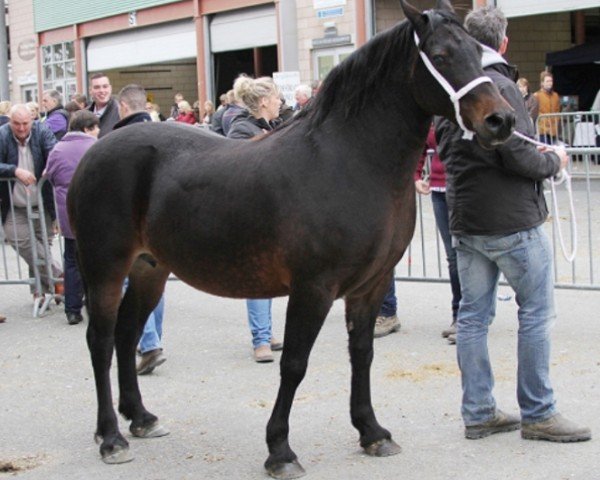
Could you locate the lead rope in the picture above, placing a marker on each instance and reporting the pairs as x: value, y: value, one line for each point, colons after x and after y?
x: 562, y: 177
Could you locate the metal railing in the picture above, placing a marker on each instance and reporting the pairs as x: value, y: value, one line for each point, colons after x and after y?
x: 425, y: 259
x: 15, y: 271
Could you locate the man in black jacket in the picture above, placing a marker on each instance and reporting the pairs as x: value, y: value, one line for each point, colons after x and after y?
x: 497, y: 210
x: 103, y: 104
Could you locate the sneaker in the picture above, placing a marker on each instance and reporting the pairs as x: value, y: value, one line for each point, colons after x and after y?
x: 276, y: 344
x: 450, y: 330
x: 502, y: 422
x: 386, y: 325
x: 452, y: 339
x: 150, y: 360
x: 263, y: 354
x: 556, y: 429
x: 74, y: 318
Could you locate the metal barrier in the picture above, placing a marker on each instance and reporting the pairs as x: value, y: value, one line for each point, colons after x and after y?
x: 580, y: 130
x: 425, y: 259
x: 13, y: 264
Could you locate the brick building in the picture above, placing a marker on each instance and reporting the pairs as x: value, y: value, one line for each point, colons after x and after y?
x: 198, y: 47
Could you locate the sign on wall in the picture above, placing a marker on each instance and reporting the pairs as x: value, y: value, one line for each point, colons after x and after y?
x: 320, y: 4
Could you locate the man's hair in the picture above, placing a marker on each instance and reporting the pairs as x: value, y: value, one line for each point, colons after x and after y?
x: 134, y: 96
x: 55, y: 94
x: 79, y: 97
x: 304, y: 90
x: 83, y: 120
x: 487, y: 25
x: 545, y: 74
x: 98, y: 75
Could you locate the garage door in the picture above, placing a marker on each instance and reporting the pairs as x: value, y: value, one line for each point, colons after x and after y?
x: 142, y: 46
x: 243, y: 29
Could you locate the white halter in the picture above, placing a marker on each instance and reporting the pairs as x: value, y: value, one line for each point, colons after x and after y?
x: 454, y: 95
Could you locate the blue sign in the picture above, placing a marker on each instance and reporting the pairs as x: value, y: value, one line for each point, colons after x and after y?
x: 330, y: 12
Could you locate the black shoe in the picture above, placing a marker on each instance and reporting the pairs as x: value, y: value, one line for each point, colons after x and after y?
x: 74, y: 318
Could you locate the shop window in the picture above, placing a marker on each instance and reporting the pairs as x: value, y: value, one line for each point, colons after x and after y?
x: 58, y: 68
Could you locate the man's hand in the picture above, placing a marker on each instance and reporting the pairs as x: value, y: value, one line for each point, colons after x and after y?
x: 560, y: 151
x: 422, y: 187
x: 25, y: 176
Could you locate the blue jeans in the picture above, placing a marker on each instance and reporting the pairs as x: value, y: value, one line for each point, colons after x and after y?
x: 440, y: 211
x: 152, y: 334
x: 259, y: 320
x: 525, y: 259
x: 389, y: 306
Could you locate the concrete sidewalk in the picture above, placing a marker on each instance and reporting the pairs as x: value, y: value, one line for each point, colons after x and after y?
x: 216, y: 401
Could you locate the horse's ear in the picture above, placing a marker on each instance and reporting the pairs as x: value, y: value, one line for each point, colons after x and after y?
x: 444, y: 5
x: 414, y: 16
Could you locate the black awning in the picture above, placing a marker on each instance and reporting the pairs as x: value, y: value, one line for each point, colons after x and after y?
x: 577, y: 55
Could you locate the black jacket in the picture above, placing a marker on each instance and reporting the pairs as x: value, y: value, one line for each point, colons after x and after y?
x: 109, y: 118
x: 495, y: 192
x: 137, y: 117
x: 245, y: 125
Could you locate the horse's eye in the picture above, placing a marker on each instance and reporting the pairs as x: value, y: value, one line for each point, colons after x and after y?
x: 438, y: 60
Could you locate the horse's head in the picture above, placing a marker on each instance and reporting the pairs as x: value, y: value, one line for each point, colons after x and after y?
x: 449, y: 79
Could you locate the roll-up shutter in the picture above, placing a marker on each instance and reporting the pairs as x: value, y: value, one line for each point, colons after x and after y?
x: 243, y: 29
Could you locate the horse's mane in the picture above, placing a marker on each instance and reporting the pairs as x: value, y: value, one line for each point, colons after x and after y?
x: 355, y: 82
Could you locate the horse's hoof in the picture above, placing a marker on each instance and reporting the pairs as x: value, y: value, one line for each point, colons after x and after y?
x: 286, y: 471
x: 383, y: 448
x: 118, y: 455
x: 151, y: 431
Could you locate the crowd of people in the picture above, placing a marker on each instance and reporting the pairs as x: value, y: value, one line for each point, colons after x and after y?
x: 489, y: 226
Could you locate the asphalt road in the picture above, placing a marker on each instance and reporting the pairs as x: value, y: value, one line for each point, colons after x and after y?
x: 216, y: 401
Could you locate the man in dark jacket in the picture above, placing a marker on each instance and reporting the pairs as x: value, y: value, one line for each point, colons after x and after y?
x: 132, y: 108
x: 103, y: 104
x: 24, y: 149
x: 497, y: 211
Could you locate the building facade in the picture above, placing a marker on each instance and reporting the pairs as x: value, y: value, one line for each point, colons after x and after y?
x: 197, y: 47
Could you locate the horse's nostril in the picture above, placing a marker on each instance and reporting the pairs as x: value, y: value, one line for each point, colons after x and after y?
x: 500, y: 123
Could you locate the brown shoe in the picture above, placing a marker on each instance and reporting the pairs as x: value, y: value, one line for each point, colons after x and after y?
x: 502, y: 422
x: 2, y: 319
x: 263, y: 354
x: 150, y: 360
x: 556, y: 429
x: 276, y: 345
x: 451, y: 330
x: 386, y: 325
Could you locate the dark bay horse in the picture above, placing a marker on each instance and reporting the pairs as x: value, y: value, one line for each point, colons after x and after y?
x: 320, y: 209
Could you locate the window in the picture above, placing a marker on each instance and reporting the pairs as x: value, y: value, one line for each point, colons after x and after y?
x: 58, y: 69
x: 326, y: 59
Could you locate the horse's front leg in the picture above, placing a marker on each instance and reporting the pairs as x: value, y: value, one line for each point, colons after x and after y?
x: 100, y: 338
x: 145, y: 287
x: 307, y: 308
x: 360, y: 319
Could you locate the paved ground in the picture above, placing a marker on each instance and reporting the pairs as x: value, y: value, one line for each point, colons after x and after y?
x: 216, y: 400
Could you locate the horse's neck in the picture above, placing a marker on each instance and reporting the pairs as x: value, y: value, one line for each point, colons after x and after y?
x: 391, y: 135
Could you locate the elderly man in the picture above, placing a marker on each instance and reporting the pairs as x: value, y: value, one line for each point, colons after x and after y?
x: 302, y: 95
x: 24, y: 149
x: 103, y: 104
x: 57, y: 118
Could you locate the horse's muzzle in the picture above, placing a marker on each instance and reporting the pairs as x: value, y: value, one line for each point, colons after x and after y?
x: 499, y: 126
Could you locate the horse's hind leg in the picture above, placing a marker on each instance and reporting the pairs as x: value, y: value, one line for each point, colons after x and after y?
x: 103, y: 299
x: 307, y: 308
x: 146, y: 285
x: 361, y: 313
